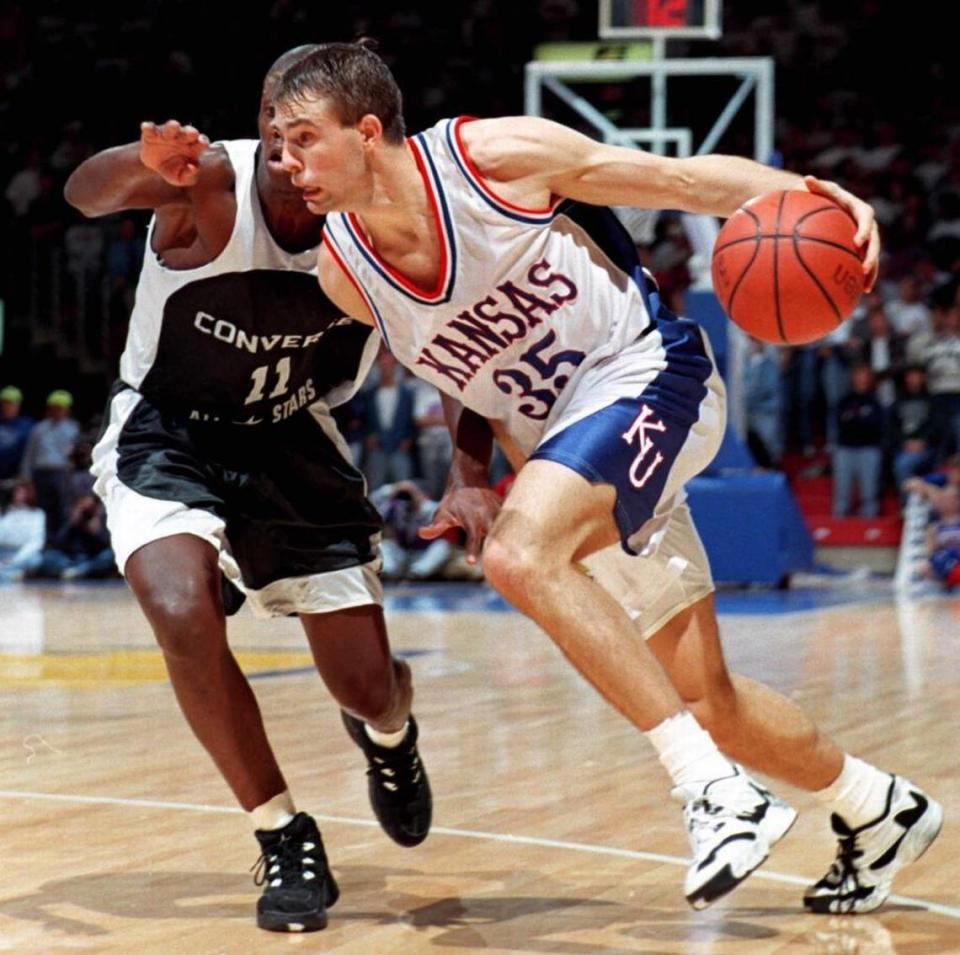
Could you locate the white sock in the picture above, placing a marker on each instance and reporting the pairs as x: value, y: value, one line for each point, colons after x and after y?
x: 687, y: 751
x: 859, y: 794
x: 389, y: 740
x: 275, y: 813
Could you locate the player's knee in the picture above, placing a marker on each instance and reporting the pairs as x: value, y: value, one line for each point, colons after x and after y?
x: 512, y: 567
x: 186, y: 619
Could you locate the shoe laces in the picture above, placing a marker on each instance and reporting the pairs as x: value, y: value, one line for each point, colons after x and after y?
x: 286, y: 861
x: 398, y: 770
x: 844, y: 866
x: 705, y: 819
x: 707, y: 814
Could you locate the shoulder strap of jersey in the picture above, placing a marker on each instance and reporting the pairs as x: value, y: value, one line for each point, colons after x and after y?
x: 453, y: 138
x: 243, y: 158
x: 336, y: 239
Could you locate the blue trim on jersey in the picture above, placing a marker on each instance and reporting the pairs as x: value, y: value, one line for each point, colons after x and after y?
x: 446, y: 227
x: 447, y: 221
x: 361, y: 288
x: 602, y: 449
x: 532, y: 219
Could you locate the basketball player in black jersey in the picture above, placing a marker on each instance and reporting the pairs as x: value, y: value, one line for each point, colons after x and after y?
x: 216, y: 462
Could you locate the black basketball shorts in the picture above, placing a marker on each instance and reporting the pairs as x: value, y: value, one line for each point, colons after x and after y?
x: 282, y: 503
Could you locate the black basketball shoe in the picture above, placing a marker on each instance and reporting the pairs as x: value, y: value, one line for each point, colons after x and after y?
x: 397, y: 783
x: 298, y: 884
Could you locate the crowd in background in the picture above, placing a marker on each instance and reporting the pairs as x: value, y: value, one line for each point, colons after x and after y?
x: 873, y: 404
x: 52, y: 525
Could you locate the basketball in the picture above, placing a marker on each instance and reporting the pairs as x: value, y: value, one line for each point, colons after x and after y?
x: 785, y: 267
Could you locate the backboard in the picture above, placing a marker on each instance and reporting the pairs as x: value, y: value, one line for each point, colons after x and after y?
x: 644, y: 19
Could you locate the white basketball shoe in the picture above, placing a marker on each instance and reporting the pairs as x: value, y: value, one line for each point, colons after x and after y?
x: 732, y: 823
x: 869, y: 856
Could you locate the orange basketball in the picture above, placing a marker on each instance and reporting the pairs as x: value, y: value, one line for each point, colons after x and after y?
x: 785, y: 267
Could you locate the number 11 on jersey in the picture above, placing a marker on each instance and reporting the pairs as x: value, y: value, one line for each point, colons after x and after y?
x: 259, y: 376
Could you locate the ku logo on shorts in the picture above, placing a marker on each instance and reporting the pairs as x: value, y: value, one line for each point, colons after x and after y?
x: 643, y: 465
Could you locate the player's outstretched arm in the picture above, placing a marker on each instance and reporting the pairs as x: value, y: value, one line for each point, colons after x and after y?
x: 536, y: 160
x: 468, y: 501
x: 155, y: 171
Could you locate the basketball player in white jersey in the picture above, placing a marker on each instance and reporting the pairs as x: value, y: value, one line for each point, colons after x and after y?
x: 220, y: 460
x: 461, y: 245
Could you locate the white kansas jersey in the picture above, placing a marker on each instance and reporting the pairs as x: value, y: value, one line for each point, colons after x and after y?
x: 248, y: 338
x: 527, y: 300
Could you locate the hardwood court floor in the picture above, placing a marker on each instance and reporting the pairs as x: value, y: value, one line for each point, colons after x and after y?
x: 554, y: 832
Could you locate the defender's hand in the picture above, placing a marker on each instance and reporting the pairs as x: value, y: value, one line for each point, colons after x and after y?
x: 471, y: 508
x: 172, y: 151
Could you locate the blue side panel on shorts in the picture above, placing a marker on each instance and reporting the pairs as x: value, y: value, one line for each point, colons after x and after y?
x: 633, y: 443
x: 679, y: 389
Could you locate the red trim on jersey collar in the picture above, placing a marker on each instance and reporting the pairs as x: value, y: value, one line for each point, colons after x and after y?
x: 443, y: 240
x: 331, y: 247
x: 458, y: 125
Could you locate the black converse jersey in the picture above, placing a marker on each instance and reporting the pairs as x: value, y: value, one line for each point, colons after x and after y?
x: 249, y: 338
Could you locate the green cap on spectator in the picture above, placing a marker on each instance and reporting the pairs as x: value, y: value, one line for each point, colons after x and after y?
x: 11, y: 393
x: 60, y: 397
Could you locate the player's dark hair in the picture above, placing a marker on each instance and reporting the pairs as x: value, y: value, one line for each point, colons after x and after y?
x: 354, y: 79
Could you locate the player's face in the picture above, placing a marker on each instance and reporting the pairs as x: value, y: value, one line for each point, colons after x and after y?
x: 323, y: 157
x: 271, y: 140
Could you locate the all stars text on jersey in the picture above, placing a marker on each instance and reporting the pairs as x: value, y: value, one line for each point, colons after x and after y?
x: 504, y: 316
x: 304, y: 395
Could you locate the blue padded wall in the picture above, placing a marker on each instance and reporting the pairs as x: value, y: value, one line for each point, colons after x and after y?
x: 751, y: 526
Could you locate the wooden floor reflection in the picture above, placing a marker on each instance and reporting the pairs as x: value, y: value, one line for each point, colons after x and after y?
x: 554, y: 831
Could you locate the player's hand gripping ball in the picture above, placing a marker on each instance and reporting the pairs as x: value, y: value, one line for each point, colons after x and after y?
x: 785, y: 267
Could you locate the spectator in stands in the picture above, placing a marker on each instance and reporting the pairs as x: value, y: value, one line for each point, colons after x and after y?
x: 22, y: 531
x: 14, y: 431
x: 943, y: 374
x: 351, y: 418
x: 122, y: 262
x: 82, y: 547
x: 943, y: 537
x: 80, y: 480
x: 434, y: 447
x: 800, y: 384
x: 913, y: 432
x: 72, y: 149
x: 918, y: 342
x: 405, y: 509
x: 124, y: 255
x: 858, y: 456
x: 762, y: 395
x: 873, y: 342
x: 834, y: 376
x: 907, y: 235
x: 947, y: 223
x: 390, y: 428
x: 669, y: 261
x: 927, y: 484
x: 46, y: 460
x: 25, y: 185
x: 906, y: 309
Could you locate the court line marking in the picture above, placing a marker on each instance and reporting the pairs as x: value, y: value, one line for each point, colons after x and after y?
x: 949, y: 911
